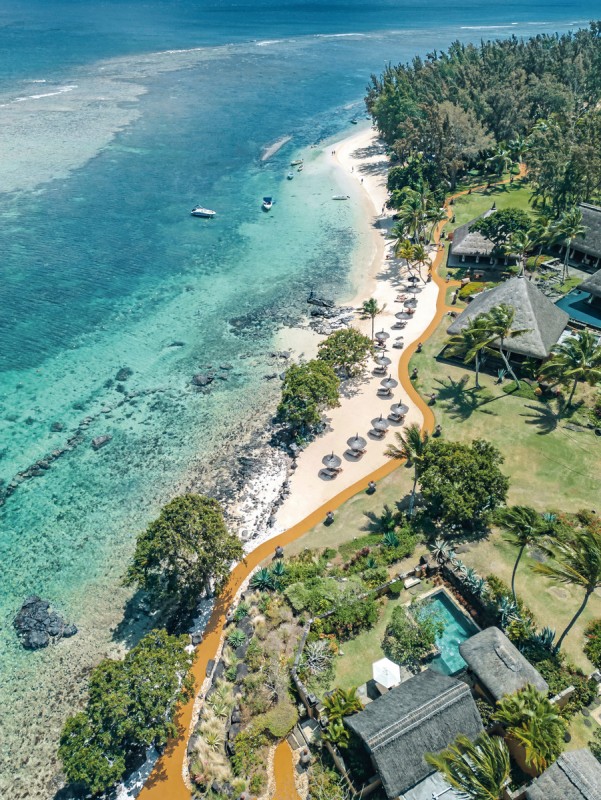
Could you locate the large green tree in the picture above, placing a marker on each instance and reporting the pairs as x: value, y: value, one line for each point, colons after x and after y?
x: 575, y: 360
x: 182, y: 552
x: 462, y: 484
x: 479, y: 769
x: 408, y: 640
x: 346, y: 350
x: 577, y: 562
x: 131, y: 707
x: 308, y: 389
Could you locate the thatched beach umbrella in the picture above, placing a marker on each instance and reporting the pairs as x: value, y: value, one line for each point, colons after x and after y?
x: 413, y: 279
x: 389, y: 383
x: 381, y: 336
x: 331, y: 461
x: 399, y: 409
x: 413, y: 288
x: 382, y: 361
x: 380, y: 424
x: 356, y: 442
x: 400, y: 315
x: 411, y: 303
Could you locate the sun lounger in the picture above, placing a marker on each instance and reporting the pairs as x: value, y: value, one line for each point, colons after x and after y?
x: 377, y: 434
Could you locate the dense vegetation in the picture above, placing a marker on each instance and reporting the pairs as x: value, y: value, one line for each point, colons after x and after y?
x: 454, y: 111
x: 130, y: 708
x: 308, y: 389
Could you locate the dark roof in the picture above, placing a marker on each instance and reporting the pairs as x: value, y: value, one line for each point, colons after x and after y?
x: 574, y: 776
x: 471, y: 243
x: 422, y: 715
x: 498, y: 664
x: 534, y: 312
x: 592, y: 284
x: 590, y: 243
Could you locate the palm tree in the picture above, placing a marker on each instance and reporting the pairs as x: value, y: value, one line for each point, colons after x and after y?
x: 576, y: 359
x: 404, y: 249
x: 534, y: 722
x: 500, y: 161
x: 517, y: 149
x: 412, y: 446
x: 341, y: 703
x: 471, y: 342
x: 542, y: 230
x: 577, y: 562
x: 478, y: 769
x: 436, y: 215
x: 568, y: 227
x: 523, y: 526
x: 498, y: 322
x: 370, y: 308
x: 421, y: 257
x: 522, y: 242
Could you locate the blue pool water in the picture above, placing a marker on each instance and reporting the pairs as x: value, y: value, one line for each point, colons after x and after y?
x: 577, y: 305
x: 457, y: 628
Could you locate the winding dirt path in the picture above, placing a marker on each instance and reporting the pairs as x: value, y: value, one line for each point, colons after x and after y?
x: 166, y: 781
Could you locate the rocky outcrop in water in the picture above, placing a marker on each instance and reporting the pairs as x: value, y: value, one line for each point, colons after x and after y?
x: 37, y: 626
x: 203, y: 379
x: 101, y: 441
x: 327, y: 320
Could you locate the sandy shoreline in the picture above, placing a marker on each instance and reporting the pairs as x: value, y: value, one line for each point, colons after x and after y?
x: 363, y: 158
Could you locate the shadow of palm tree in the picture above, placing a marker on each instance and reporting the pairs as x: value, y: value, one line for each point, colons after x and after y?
x: 546, y: 416
x: 461, y: 402
x: 388, y: 519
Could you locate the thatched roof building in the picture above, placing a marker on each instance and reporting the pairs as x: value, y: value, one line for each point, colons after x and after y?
x: 534, y: 312
x: 498, y: 665
x: 592, y: 285
x: 589, y: 245
x: 422, y: 715
x: 471, y: 247
x: 574, y: 776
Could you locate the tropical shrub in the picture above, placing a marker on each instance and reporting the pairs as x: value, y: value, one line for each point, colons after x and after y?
x: 247, y: 757
x: 479, y: 769
x: 592, y: 648
x: 307, y: 390
x: 595, y: 744
x: 560, y: 676
x: 408, y: 640
x: 346, y: 350
x: 351, y: 614
x: 317, y: 657
x: 279, y: 720
x: 315, y: 595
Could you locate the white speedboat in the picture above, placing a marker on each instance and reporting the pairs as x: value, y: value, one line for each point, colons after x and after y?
x: 341, y: 197
x: 296, y: 162
x: 290, y: 175
x: 199, y: 211
x: 267, y: 203
x: 299, y: 168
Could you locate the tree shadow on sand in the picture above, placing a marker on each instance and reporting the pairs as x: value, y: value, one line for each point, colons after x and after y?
x: 461, y: 402
x: 546, y: 416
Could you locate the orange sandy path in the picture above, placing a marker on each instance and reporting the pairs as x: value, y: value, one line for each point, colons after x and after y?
x: 283, y: 772
x: 166, y: 780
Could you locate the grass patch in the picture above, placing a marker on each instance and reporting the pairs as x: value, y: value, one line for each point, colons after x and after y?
x: 524, y: 390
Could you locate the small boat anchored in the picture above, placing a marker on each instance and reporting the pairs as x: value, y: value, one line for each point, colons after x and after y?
x: 199, y: 211
x: 296, y: 162
x: 290, y: 175
x: 267, y: 203
x: 299, y: 168
x: 341, y: 197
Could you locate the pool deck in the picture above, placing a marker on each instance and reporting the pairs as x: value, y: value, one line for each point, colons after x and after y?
x: 576, y: 304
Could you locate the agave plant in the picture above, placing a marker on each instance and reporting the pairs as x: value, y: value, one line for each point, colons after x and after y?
x: 470, y: 578
x: 441, y: 551
x: 262, y: 580
x: 479, y: 587
x: 545, y: 638
x: 507, y: 611
x: 390, y: 539
x: 337, y: 734
x: 241, y: 611
x: 317, y: 657
x: 236, y: 638
x: 371, y: 563
x: 279, y: 569
x: 213, y: 739
x: 220, y: 708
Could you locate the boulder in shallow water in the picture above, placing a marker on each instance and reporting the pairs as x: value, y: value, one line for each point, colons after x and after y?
x: 37, y: 627
x: 124, y: 373
x: 100, y: 441
x: 203, y: 379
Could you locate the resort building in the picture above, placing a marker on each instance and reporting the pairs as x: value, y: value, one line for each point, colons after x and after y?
x: 422, y: 715
x: 542, y: 321
x: 584, y: 303
x: 497, y: 666
x: 471, y: 248
x: 575, y: 775
x: 585, y: 250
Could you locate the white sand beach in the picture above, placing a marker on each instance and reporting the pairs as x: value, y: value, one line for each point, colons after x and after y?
x: 362, y: 156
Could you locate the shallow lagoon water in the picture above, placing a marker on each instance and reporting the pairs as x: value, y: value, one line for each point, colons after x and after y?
x: 102, y: 268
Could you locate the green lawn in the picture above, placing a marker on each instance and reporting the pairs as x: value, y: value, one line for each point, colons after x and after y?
x: 469, y: 206
x: 551, y: 468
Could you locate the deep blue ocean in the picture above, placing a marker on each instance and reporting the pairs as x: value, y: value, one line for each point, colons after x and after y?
x: 115, y: 119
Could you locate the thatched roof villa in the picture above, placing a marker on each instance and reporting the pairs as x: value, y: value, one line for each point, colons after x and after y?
x: 423, y: 714
x: 575, y: 775
x: 498, y: 666
x: 592, y: 285
x: 470, y: 247
x: 534, y: 312
x: 586, y: 250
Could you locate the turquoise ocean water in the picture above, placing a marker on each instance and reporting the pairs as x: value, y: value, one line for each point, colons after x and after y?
x: 116, y: 119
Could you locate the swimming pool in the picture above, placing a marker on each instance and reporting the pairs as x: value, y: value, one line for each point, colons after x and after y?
x: 577, y: 305
x: 457, y: 628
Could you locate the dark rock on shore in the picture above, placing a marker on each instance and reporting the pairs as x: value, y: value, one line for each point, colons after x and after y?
x: 100, y: 441
x: 37, y: 626
x: 314, y: 300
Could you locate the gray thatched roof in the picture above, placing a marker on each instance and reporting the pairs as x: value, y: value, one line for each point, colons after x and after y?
x: 422, y: 715
x: 574, y: 776
x: 471, y: 243
x: 590, y: 243
x: 592, y: 284
x: 534, y: 312
x: 498, y: 664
